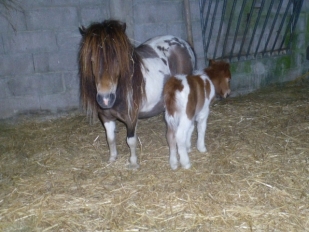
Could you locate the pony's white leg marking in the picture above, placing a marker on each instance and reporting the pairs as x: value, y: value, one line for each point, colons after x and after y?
x: 173, y: 149
x: 110, y: 133
x: 189, y: 134
x: 181, y: 138
x: 133, y: 158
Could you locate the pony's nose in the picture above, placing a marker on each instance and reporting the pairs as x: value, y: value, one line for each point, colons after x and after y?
x: 106, y: 100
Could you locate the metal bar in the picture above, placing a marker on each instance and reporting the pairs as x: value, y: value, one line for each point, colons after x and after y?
x: 188, y: 22
x: 281, y: 25
x: 246, y: 29
x: 202, y: 6
x: 220, y: 28
x: 255, y: 26
x: 237, y: 27
x: 297, y: 12
x: 205, y: 23
x: 211, y: 26
x: 228, y: 28
x: 272, y: 27
x: 206, y: 20
x: 264, y: 26
x: 295, y: 19
x: 287, y: 29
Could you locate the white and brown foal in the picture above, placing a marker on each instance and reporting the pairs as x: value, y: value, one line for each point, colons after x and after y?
x: 187, y: 99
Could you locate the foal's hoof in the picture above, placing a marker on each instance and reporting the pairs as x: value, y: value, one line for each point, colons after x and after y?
x: 187, y: 166
x: 132, y: 166
x: 202, y: 149
x: 112, y: 159
x: 174, y: 166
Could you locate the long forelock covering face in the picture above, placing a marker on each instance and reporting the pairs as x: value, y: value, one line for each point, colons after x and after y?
x: 106, y: 43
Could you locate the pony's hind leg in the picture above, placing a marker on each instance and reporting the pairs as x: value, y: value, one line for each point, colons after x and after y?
x: 110, y: 134
x: 173, y: 148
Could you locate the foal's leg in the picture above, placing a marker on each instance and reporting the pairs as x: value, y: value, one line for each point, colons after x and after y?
x: 201, y: 130
x: 110, y: 134
x: 181, y: 138
x: 172, y: 146
x: 189, y: 135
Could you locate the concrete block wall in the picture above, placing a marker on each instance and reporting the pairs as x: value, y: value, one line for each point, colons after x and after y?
x: 39, y: 47
x: 38, y: 53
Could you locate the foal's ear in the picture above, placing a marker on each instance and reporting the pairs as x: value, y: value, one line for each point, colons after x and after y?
x: 82, y: 30
x: 211, y: 62
x: 124, y: 26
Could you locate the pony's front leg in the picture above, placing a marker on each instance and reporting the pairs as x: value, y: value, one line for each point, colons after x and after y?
x: 111, y: 139
x: 132, y: 141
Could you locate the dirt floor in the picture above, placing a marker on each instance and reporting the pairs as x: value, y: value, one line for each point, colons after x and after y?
x: 54, y: 174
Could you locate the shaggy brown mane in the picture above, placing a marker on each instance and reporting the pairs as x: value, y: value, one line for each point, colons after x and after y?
x: 106, y: 47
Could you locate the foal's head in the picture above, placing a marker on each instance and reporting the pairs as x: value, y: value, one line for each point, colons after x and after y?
x: 220, y: 75
x: 105, y: 57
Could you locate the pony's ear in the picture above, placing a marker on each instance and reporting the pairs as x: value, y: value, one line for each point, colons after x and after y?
x: 82, y: 30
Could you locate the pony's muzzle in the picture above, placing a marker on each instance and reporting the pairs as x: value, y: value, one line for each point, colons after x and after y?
x: 106, y: 100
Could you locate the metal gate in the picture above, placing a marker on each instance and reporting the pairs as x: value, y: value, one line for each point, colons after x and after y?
x: 237, y: 30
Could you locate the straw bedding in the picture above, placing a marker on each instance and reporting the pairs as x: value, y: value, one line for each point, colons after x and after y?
x: 54, y: 174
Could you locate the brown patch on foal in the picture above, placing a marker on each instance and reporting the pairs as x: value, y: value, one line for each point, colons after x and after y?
x: 169, y: 94
x: 196, y: 96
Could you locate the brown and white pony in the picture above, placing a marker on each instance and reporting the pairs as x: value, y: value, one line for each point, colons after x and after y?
x: 119, y: 81
x: 187, y: 99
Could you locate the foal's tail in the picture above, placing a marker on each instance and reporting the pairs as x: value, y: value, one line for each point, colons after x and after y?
x: 172, y: 86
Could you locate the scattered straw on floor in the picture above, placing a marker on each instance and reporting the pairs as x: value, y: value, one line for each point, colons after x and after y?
x: 54, y: 174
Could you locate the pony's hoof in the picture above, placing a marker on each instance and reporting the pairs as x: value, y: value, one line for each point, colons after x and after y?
x: 133, y: 166
x: 112, y: 159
